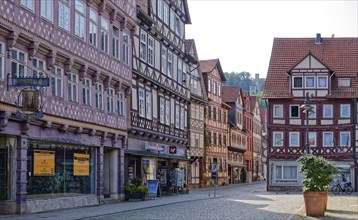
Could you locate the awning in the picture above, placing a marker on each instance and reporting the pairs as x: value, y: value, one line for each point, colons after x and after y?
x: 153, y: 154
x: 235, y: 149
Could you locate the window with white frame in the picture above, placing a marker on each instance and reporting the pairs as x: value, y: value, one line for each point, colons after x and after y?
x: 28, y: 4
x: 277, y: 139
x: 344, y: 139
x: 201, y: 113
x: 322, y: 82
x: 98, y: 94
x: 125, y: 48
x: 164, y: 60
x: 344, y: 83
x: 312, y: 139
x: 172, y: 15
x: 64, y: 14
x: 18, y: 63
x: 115, y: 43
x: 38, y: 67
x: 160, y: 9
x: 177, y: 116
x: 209, y: 85
x: 177, y: 25
x: 93, y: 25
x: 120, y: 106
x: 104, y: 34
x: 170, y: 64
x: 277, y: 111
x: 180, y: 71
x: 312, y: 113
x: 294, y: 111
x: 185, y: 117
x: 141, y: 99
x: 46, y: 9
x: 214, y: 89
x: 310, y: 81
x: 286, y: 172
x: 1, y: 61
x: 345, y: 111
x: 327, y: 111
x: 150, y: 50
x: 167, y: 112
x: 297, y: 82
x: 162, y: 110
x: 219, y: 90
x: 148, y: 105
x: 294, y: 139
x: 143, y: 46
x: 80, y: 19
x: 182, y: 117
x: 72, y: 87
x: 327, y: 139
x: 57, y: 81
x: 86, y: 91
x: 166, y: 13
x: 110, y: 100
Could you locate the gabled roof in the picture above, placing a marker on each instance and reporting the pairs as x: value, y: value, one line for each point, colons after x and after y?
x: 207, y: 66
x: 253, y: 100
x: 230, y: 93
x: 340, y: 55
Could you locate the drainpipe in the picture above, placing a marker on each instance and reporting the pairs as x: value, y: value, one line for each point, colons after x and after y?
x: 355, y: 129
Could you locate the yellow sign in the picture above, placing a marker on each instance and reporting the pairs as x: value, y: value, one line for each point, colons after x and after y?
x: 81, y: 164
x: 44, y: 163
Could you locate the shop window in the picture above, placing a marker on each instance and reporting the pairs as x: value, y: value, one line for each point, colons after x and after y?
x: 149, y: 169
x: 57, y: 170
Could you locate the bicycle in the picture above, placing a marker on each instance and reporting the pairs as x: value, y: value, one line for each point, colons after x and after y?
x: 338, y: 188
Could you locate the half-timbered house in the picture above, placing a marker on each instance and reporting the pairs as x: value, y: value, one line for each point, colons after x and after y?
x: 256, y: 138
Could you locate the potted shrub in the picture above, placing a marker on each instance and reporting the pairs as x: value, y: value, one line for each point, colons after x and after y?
x: 132, y: 191
x: 318, y: 173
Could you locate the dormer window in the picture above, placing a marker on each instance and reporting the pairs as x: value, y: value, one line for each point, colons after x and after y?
x: 297, y: 82
x: 344, y: 83
x: 310, y: 82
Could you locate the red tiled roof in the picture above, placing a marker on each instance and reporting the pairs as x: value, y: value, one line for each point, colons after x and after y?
x: 206, y: 66
x: 230, y: 93
x: 340, y: 55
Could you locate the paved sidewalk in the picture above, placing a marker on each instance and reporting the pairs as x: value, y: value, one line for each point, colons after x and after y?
x: 339, y: 207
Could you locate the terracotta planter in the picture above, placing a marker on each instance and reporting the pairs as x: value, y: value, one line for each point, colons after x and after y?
x: 315, y: 203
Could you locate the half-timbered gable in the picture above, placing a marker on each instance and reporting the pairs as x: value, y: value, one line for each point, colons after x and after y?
x: 256, y: 134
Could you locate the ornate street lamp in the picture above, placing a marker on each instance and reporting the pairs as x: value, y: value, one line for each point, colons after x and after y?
x: 307, y: 109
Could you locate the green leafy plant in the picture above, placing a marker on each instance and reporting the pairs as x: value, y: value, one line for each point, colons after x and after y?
x: 136, y: 189
x: 318, y: 172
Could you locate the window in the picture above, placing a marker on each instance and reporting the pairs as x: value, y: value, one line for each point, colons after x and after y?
x: 201, y: 113
x: 344, y: 83
x: 161, y: 110
x: 312, y: 113
x: 277, y: 111
x: 1, y: 61
x: 98, y: 93
x: 125, y: 49
x: 322, y: 82
x: 120, y: 106
x: 286, y: 172
x: 164, y: 60
x: 209, y: 85
x: 150, y: 50
x: 297, y: 82
x: 177, y: 25
x: 148, y: 104
x: 18, y: 63
x: 312, y: 139
x: 160, y: 9
x: 328, y: 139
x: 327, y: 111
x: 344, y: 139
x: 295, y: 111
x: 294, y: 139
x: 214, y: 140
x: 219, y: 90
x: 56, y: 81
x: 72, y: 87
x: 115, y: 43
x: 214, y: 83
x: 80, y: 19
x: 310, y: 82
x: 28, y: 4
x: 110, y: 100
x: 345, y: 110
x: 143, y: 46
x: 104, y: 35
x: 141, y: 102
x: 46, y: 9
x: 182, y: 117
x: 167, y: 112
x: 177, y: 116
x: 93, y: 22
x: 86, y: 91
x: 38, y: 67
x: 277, y: 139
x: 170, y: 64
x: 64, y: 14
x: 166, y: 13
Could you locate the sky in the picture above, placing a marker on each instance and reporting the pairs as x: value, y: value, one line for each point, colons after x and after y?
x: 240, y: 33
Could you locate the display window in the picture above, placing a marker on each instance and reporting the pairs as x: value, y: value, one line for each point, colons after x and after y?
x: 56, y: 170
x: 149, y: 169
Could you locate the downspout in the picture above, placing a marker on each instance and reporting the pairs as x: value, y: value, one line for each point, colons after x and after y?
x: 355, y: 130
x: 268, y: 139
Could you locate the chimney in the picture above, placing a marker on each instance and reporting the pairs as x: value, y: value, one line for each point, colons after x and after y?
x: 318, y: 40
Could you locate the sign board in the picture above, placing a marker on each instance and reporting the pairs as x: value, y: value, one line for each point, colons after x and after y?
x: 81, y: 164
x: 172, y: 150
x: 214, y: 171
x: 44, y: 163
x: 30, y: 81
x: 152, y: 187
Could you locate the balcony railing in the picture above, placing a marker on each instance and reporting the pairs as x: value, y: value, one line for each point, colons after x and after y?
x: 322, y: 151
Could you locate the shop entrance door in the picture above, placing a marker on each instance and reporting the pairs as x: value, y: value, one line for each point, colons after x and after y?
x: 110, y: 168
x: 4, y: 170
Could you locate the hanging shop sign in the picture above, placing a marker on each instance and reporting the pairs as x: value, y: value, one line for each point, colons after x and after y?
x: 44, y: 163
x: 81, y: 164
x: 30, y: 81
x: 172, y: 150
